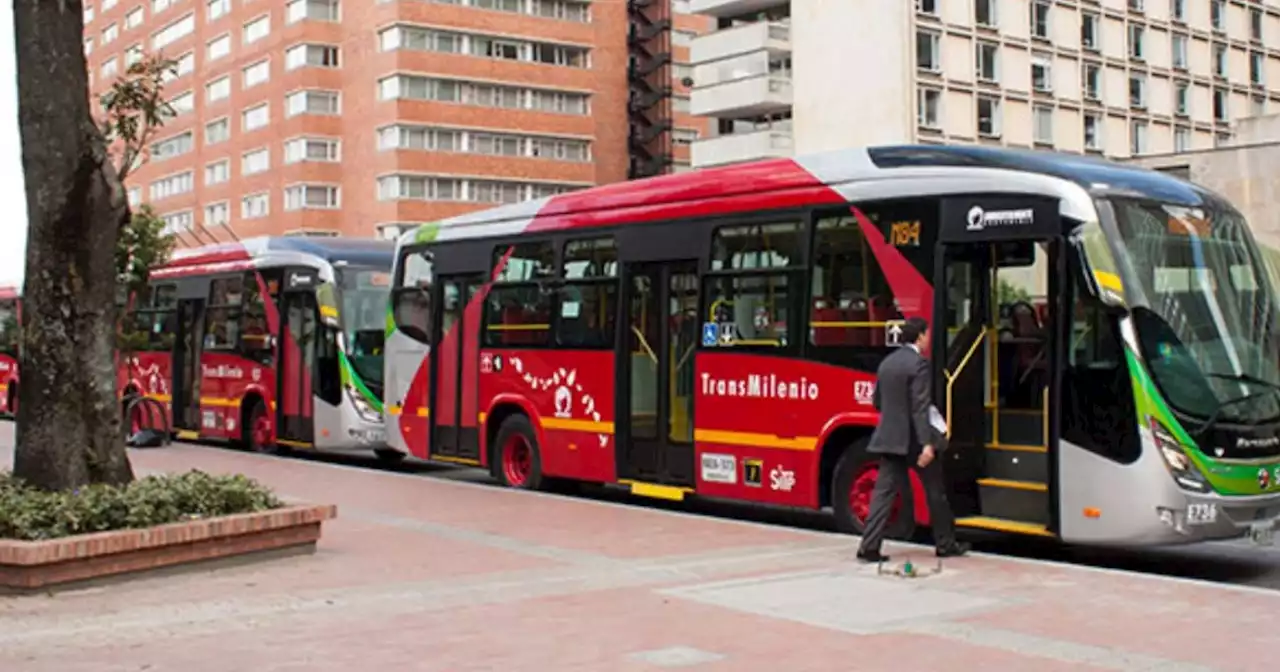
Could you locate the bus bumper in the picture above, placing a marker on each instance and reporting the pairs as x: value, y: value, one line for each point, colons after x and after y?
x: 1210, y: 517
x: 342, y: 429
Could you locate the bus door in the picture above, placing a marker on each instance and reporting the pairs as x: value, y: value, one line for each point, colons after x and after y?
x: 455, y: 366
x: 656, y: 373
x: 299, y: 335
x: 188, y: 344
x: 998, y: 282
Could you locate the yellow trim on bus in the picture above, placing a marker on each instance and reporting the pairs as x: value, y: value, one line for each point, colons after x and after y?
x: 656, y: 491
x: 755, y: 440
x: 295, y: 444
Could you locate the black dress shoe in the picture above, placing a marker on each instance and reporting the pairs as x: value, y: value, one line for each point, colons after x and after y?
x: 954, y: 550
x: 872, y: 556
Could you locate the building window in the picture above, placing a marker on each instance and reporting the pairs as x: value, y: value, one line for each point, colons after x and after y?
x: 175, y: 146
x: 1092, y: 132
x: 314, y: 55
x: 311, y: 149
x: 1178, y: 45
x: 173, y: 32
x: 217, y: 131
x: 185, y: 64
x: 1138, y: 138
x: 108, y: 4
x: 1135, y: 5
x: 1181, y: 139
x: 132, y: 55
x: 1137, y: 34
x: 217, y: 172
x: 1041, y: 75
x: 88, y: 14
x: 1220, y: 105
x: 412, y: 87
x: 927, y: 7
x: 927, y: 51
x: 218, y: 47
x: 256, y: 74
x: 1256, y: 61
x: 1220, y: 60
x: 313, y: 10
x: 109, y: 34
x: 1258, y: 104
x: 109, y: 68
x: 217, y: 89
x: 135, y: 196
x: 1092, y: 77
x: 254, y: 206
x: 312, y: 102
x: 1218, y: 14
x: 1090, y: 25
x: 927, y: 103
x: 1040, y: 20
x: 216, y: 9
x: 988, y: 116
x: 1178, y: 10
x: 1043, y: 118
x: 158, y: 6
x: 986, y: 56
x: 255, y: 117
x: 175, y: 222
x: 256, y: 161
x: 133, y: 19
x: 217, y: 214
x: 1137, y: 92
x: 173, y: 185
x: 257, y: 29
x: 984, y: 13
x: 310, y: 197
x: 1181, y: 99
x: 182, y: 103
x: 1255, y: 24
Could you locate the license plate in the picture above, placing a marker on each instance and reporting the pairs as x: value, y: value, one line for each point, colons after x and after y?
x: 1262, y: 534
x: 1202, y: 514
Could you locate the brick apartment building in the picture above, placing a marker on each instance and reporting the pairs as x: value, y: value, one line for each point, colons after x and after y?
x: 330, y: 117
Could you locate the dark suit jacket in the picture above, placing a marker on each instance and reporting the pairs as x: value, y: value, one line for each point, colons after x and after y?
x: 903, y: 397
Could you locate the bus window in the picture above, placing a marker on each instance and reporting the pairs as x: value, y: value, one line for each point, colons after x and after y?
x: 518, y: 309
x: 153, y: 321
x: 589, y: 298
x: 750, y: 290
x: 9, y: 327
x: 255, y: 336
x: 222, y: 319
x: 411, y: 300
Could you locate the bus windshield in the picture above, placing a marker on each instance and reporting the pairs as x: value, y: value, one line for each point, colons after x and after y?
x: 9, y: 327
x: 1205, y: 312
x: 363, y: 294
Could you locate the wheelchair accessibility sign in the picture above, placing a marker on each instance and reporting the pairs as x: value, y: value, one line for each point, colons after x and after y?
x: 710, y: 334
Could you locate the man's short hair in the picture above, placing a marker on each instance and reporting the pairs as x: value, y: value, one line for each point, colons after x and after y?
x: 913, y: 329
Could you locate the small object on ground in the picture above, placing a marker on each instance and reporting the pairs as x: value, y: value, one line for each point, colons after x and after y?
x: 146, y: 438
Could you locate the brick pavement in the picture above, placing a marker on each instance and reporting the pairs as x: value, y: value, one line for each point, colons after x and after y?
x: 428, y: 574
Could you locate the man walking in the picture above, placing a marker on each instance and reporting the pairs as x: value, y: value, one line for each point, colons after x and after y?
x: 908, y: 432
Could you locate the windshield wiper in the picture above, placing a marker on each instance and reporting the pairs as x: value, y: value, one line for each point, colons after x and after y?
x: 1243, y: 378
x: 1213, y: 417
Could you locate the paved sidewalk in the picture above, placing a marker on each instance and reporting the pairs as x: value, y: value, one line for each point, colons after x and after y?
x: 426, y: 574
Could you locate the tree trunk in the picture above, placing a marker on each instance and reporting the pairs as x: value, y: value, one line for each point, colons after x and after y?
x: 69, y: 415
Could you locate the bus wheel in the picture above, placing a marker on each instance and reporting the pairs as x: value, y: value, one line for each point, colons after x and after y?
x: 520, y: 465
x: 257, y: 430
x: 851, y: 488
x: 389, y: 455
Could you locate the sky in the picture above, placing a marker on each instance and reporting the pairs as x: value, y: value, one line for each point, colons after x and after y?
x: 13, y: 228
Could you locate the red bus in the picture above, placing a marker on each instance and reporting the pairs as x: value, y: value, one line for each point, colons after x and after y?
x: 271, y: 343
x: 10, y: 338
x: 1105, y: 347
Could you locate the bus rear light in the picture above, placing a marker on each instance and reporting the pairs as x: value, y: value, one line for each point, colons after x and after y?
x: 1180, y: 466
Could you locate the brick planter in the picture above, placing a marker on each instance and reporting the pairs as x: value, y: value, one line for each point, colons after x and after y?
x: 27, y: 565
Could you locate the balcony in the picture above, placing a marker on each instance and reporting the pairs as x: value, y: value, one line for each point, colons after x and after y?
x: 739, y: 147
x: 750, y: 96
x: 731, y: 8
x: 774, y: 38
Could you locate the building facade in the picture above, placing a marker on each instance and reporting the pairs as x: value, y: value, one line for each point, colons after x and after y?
x: 1120, y: 78
x: 331, y: 117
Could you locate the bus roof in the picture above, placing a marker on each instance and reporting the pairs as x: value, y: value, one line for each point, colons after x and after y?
x: 10, y: 292
x: 358, y: 251
x: 809, y: 180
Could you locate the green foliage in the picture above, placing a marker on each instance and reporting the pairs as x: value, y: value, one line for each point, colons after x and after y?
x: 141, y: 246
x: 30, y: 514
x: 135, y: 107
x: 1009, y: 293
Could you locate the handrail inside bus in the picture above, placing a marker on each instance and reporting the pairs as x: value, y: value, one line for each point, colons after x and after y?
x: 951, y: 375
x: 645, y: 344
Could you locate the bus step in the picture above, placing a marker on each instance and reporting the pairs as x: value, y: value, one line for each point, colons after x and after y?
x: 1003, y: 525
x: 1017, y: 463
x: 1019, y: 500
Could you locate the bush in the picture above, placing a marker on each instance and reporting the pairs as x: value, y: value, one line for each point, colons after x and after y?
x: 30, y: 514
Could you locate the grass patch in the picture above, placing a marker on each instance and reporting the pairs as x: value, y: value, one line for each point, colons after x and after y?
x: 32, y: 515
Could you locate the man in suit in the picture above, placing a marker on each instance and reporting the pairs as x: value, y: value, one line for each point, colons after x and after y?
x: 904, y: 435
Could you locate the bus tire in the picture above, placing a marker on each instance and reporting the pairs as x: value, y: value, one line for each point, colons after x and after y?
x: 516, y: 454
x: 256, y: 430
x: 389, y: 456
x: 851, y: 488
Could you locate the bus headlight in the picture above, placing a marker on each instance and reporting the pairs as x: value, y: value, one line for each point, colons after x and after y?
x: 1184, y: 471
x: 364, y: 409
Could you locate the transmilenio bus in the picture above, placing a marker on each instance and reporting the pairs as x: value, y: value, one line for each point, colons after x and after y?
x: 10, y: 337
x: 269, y: 342
x: 1106, y: 349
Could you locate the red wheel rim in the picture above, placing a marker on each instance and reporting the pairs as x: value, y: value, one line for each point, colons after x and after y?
x: 517, y: 460
x: 864, y: 483
x: 260, y: 430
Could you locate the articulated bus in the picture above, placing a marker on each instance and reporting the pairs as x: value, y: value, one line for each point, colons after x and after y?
x: 271, y: 343
x: 1106, y: 352
x: 10, y: 337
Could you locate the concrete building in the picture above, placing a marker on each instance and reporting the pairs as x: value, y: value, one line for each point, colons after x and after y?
x: 1121, y: 78
x: 333, y: 117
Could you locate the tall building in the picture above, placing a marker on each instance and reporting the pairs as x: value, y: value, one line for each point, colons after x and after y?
x: 336, y: 117
x: 1120, y: 78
